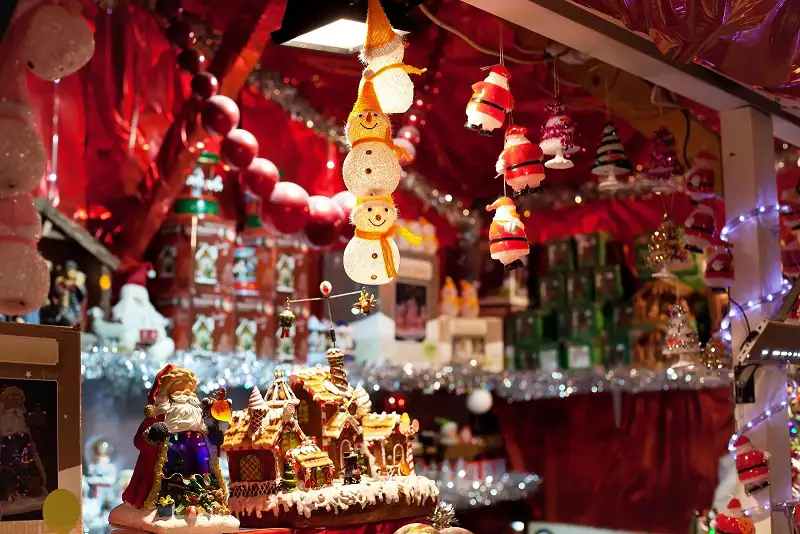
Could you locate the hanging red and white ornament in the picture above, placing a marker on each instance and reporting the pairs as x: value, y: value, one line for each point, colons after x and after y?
x: 752, y: 465
x: 491, y: 101
x: 558, y: 137
x: 734, y: 521
x: 610, y: 160
x: 508, y: 242
x: 719, y: 269
x: 699, y: 184
x: 520, y: 162
x: 700, y: 230
x: 665, y: 169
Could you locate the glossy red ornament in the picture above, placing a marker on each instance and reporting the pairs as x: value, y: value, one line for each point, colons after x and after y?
x: 346, y: 201
x: 181, y: 34
x: 169, y: 8
x: 287, y: 210
x: 239, y: 148
x: 325, y: 220
x: 191, y: 61
x: 204, y: 85
x: 260, y: 177
x: 219, y: 115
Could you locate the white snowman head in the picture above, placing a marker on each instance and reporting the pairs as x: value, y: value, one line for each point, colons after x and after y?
x: 374, y: 214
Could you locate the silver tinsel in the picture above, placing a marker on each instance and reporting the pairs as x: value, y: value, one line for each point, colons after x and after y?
x: 464, y: 494
x: 124, y: 371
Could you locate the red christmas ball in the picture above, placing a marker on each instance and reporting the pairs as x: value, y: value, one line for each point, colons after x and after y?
x: 169, y: 8
x: 239, y: 148
x: 191, y: 61
x: 260, y: 177
x: 181, y: 34
x: 325, y: 220
x: 219, y: 115
x: 346, y: 202
x: 287, y: 210
x: 204, y: 85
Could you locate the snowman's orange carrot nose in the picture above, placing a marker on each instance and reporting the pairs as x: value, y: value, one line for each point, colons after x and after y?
x: 377, y: 217
x: 369, y: 117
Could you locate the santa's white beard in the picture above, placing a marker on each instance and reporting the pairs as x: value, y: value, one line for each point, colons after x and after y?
x: 515, y: 140
x: 182, y: 413
x: 497, y: 80
x: 12, y: 421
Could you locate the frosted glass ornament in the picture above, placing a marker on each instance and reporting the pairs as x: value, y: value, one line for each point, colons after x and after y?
x: 371, y: 169
x: 372, y: 256
x: 22, y: 156
x: 24, y: 278
x: 395, y: 90
x: 57, y: 44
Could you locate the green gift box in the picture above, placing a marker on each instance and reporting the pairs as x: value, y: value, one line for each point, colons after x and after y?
x: 618, y: 351
x: 526, y: 356
x: 560, y: 254
x: 550, y: 357
x: 552, y: 290
x: 580, y: 287
x: 584, y: 321
x: 641, y: 248
x: 618, y: 316
x: 534, y: 326
x: 582, y: 353
x: 590, y: 250
x: 607, y: 283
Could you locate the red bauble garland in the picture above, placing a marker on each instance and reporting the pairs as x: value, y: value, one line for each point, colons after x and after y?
x: 346, y: 201
x: 238, y: 149
x: 219, y: 115
x: 325, y: 219
x: 261, y: 177
x: 287, y: 209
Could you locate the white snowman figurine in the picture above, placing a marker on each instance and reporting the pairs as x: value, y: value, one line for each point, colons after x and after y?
x: 372, y: 256
x: 371, y: 168
x: 383, y: 55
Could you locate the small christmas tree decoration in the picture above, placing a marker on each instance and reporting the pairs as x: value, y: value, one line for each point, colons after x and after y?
x: 507, y: 240
x: 699, y: 183
x: 286, y: 320
x: 734, y: 520
x: 491, y: 101
x: 666, y: 248
x: 520, y: 162
x: 665, y: 169
x: 289, y: 480
x: 681, y: 341
x: 610, y: 160
x: 752, y: 465
x: 715, y: 354
x: 700, y: 229
x: 558, y: 137
x: 719, y: 272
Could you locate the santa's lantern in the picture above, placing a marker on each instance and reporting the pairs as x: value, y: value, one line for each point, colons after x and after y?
x: 752, y: 465
x: 700, y: 229
x: 734, y: 521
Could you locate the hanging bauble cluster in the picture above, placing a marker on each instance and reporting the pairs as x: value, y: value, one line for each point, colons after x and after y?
x: 52, y: 41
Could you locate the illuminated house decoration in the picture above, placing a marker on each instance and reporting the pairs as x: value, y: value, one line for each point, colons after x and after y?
x: 389, y: 438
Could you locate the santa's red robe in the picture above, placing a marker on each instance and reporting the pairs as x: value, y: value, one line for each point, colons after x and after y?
x: 753, y: 467
x: 144, y: 472
x: 523, y: 160
x: 502, y: 241
x: 491, y: 100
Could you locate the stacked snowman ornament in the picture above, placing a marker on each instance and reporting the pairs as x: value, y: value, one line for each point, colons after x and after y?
x: 371, y: 170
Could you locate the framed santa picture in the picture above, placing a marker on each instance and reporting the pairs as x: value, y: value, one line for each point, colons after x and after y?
x: 40, y: 420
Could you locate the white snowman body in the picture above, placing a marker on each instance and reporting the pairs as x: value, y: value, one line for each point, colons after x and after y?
x: 371, y: 169
x: 394, y: 87
x: 363, y: 261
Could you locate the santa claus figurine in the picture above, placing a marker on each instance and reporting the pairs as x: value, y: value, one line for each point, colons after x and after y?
x: 719, y: 270
x: 145, y: 328
x: 507, y: 240
x: 491, y: 100
x: 699, y: 183
x: 175, y: 446
x: 734, y: 520
x: 520, y: 162
x: 752, y: 465
x: 701, y: 228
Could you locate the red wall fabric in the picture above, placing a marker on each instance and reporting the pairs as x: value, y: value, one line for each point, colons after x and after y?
x: 648, y: 475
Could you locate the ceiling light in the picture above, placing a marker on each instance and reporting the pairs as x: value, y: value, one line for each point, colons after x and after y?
x: 337, y: 26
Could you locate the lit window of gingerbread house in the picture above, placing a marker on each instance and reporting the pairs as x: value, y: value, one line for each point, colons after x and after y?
x: 312, y: 466
x: 388, y: 437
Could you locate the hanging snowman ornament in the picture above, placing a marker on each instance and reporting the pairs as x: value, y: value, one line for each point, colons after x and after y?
x: 372, y: 256
x: 507, y: 240
x: 371, y: 168
x: 383, y: 55
x: 520, y: 162
x: 491, y: 101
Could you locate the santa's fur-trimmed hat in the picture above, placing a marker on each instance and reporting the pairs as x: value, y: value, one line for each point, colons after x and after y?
x: 501, y: 202
x: 516, y: 130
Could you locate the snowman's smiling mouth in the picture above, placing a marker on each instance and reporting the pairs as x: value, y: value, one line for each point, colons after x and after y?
x: 368, y: 127
x: 375, y: 224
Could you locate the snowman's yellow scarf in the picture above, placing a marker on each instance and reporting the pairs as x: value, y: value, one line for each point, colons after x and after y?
x: 383, y: 237
x: 369, y: 76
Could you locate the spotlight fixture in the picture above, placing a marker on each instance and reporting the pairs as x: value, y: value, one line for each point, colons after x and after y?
x: 337, y: 26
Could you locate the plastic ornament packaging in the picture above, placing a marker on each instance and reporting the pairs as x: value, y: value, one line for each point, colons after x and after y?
x: 610, y: 160
x: 371, y: 167
x: 520, y: 162
x: 508, y: 242
x: 700, y: 229
x: 372, y: 256
x: 666, y: 248
x: 558, y: 137
x: 286, y: 320
x: 699, y: 184
x: 681, y: 340
x: 752, y: 466
x: 491, y: 101
x: 719, y: 273
x: 665, y: 169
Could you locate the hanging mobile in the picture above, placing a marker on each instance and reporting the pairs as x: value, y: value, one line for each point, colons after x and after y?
x: 365, y: 303
x: 286, y: 319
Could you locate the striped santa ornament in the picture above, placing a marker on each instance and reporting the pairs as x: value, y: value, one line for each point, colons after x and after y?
x: 520, y: 162
x: 507, y: 240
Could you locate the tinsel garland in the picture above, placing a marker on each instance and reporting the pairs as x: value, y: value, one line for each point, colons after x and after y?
x: 464, y: 493
x: 125, y: 371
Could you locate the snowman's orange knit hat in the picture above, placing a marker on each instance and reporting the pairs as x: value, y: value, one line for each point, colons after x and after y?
x: 367, y: 100
x: 381, y: 38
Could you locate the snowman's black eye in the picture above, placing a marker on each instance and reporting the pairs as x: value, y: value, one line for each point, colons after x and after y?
x: 387, y: 210
x: 369, y: 209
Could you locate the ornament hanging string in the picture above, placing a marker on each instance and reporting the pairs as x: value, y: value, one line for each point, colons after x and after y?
x: 327, y: 300
x: 52, y: 187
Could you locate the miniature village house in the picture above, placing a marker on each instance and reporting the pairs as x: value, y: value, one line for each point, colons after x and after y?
x: 388, y: 437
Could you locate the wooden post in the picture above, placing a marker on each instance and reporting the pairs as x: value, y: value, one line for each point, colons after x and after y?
x: 748, y: 163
